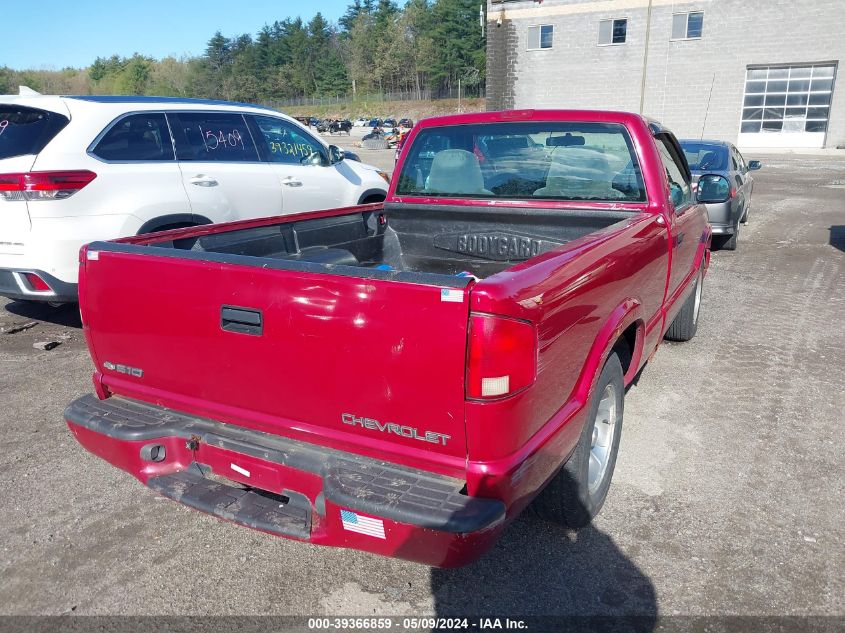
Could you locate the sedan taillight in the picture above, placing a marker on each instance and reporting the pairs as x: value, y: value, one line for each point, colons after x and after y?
x: 44, y: 185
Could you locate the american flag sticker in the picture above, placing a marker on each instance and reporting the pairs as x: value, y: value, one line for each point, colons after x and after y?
x: 363, y: 525
x: 451, y: 295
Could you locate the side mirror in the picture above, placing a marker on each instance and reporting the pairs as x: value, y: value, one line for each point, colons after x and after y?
x: 335, y: 154
x: 754, y: 165
x: 713, y: 189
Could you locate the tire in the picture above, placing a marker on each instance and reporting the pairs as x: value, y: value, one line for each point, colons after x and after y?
x: 728, y: 242
x: 375, y: 143
x: 685, y: 325
x: 577, y: 492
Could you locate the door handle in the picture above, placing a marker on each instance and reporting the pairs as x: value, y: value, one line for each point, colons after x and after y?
x: 201, y: 180
x: 241, y: 320
x: 290, y: 181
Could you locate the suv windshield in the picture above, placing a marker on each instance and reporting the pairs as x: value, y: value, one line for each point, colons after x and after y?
x: 705, y: 156
x: 27, y: 130
x: 548, y: 160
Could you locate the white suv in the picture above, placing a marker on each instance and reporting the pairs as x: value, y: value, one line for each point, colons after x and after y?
x: 78, y: 169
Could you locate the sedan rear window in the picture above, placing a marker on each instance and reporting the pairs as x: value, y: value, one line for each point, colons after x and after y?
x: 705, y: 156
x: 547, y: 160
x: 27, y: 130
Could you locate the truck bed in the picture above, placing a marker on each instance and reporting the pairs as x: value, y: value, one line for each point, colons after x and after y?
x: 436, y: 239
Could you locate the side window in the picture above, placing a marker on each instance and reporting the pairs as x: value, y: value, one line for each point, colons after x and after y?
x: 736, y: 162
x: 613, y: 31
x: 743, y: 168
x: 540, y: 37
x: 679, y: 186
x: 212, y: 136
x: 284, y: 142
x: 143, y: 137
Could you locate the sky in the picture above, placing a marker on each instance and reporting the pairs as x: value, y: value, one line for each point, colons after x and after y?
x: 57, y: 34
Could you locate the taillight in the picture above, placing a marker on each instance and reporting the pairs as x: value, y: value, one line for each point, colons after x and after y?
x: 44, y: 185
x: 502, y: 357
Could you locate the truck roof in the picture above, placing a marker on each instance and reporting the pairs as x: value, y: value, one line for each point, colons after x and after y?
x: 597, y: 116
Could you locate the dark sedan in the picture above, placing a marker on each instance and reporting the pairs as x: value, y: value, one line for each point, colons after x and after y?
x: 725, y: 183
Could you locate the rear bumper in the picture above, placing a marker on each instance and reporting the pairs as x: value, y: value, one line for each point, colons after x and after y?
x: 13, y: 285
x: 721, y: 217
x: 318, y: 495
x: 722, y: 229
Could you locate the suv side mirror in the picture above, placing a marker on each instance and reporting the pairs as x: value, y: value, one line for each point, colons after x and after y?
x: 754, y: 165
x: 335, y: 154
x: 713, y: 189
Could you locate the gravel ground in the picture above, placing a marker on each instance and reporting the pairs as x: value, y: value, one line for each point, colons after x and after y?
x: 727, y: 498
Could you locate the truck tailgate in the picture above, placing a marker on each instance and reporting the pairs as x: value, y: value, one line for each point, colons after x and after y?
x: 374, y: 366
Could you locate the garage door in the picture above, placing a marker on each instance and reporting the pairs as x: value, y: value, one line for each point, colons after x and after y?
x: 786, y: 106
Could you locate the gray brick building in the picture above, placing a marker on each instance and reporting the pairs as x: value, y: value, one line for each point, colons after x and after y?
x: 759, y: 73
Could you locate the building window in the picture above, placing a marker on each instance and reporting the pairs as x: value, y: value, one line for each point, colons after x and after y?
x: 613, y: 31
x: 540, y: 37
x: 787, y: 98
x: 687, y: 26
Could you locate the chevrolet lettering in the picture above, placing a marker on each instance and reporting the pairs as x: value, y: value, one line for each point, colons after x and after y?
x: 396, y: 429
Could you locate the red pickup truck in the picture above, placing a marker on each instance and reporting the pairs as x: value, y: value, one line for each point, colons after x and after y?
x: 404, y: 378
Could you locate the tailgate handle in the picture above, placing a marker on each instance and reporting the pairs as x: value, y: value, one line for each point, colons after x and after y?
x: 241, y: 320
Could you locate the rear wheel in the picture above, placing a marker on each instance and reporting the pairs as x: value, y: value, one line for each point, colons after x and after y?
x: 728, y: 242
x: 685, y: 325
x: 576, y: 494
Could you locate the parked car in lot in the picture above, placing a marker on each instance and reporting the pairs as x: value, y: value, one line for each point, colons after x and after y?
x: 77, y: 169
x: 360, y: 122
x: 390, y: 123
x: 403, y: 378
x: 724, y: 178
x: 406, y: 123
x: 375, y: 123
x: 340, y: 126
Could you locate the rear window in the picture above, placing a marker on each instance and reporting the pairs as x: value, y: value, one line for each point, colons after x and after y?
x: 547, y: 160
x: 27, y: 130
x: 705, y: 156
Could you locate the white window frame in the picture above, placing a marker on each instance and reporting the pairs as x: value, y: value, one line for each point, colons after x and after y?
x: 612, y: 20
x: 539, y: 28
x: 686, y: 37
